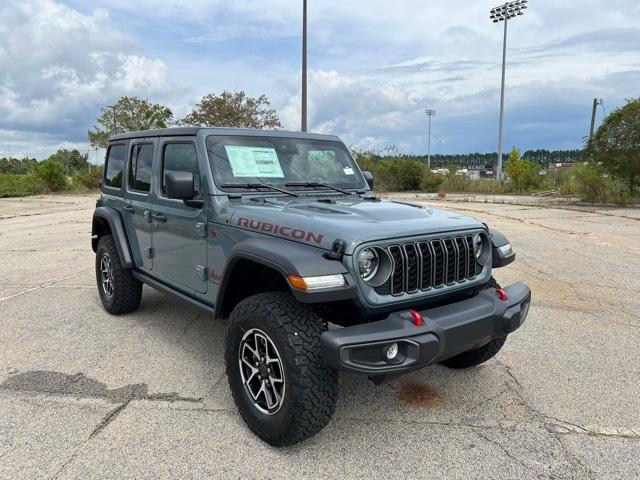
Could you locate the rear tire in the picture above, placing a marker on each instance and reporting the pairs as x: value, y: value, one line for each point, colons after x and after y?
x: 472, y: 358
x: 305, y: 401
x: 119, y: 291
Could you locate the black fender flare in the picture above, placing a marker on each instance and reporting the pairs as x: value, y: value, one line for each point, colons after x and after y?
x: 500, y: 259
x: 289, y: 258
x: 113, y: 219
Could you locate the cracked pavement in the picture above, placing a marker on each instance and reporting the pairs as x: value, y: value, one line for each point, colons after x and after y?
x: 87, y: 395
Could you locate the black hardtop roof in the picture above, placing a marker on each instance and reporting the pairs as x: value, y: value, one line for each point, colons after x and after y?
x: 191, y: 131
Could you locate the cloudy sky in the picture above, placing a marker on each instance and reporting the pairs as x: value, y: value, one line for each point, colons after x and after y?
x: 375, y: 65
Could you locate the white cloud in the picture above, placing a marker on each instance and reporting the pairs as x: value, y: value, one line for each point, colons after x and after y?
x: 375, y: 65
x: 60, y: 66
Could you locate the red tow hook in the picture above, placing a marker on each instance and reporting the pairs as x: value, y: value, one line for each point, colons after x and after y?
x: 416, y: 318
x: 502, y: 295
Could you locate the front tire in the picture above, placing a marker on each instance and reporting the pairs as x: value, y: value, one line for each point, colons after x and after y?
x: 119, y: 291
x: 284, y: 391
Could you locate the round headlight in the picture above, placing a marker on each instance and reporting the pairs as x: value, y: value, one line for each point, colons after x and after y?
x: 478, y: 245
x: 368, y: 262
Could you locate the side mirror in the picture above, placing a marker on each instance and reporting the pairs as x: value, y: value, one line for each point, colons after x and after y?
x: 368, y: 176
x: 179, y: 185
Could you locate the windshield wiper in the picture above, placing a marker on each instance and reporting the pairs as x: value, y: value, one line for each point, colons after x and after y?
x: 317, y: 184
x: 256, y: 186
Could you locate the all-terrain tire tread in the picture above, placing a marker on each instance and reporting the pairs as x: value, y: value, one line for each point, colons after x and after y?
x: 314, y: 384
x: 127, y: 291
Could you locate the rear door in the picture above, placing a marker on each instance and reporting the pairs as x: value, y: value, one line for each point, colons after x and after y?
x: 179, y: 231
x: 137, y: 212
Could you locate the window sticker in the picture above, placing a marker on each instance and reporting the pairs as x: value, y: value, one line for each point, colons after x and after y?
x: 348, y: 171
x: 254, y: 162
x: 322, y: 155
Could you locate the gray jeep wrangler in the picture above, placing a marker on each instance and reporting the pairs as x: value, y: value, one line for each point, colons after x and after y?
x: 279, y: 235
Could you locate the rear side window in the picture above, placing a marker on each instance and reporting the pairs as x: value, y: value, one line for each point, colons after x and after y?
x: 140, y: 167
x: 181, y: 157
x: 115, y: 165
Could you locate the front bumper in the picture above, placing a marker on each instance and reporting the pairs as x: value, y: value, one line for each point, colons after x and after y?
x: 447, y: 331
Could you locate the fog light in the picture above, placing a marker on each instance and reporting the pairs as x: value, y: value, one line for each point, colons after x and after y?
x: 392, y: 351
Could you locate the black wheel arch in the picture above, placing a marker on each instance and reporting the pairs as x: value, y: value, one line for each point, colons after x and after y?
x: 257, y: 265
x: 108, y: 221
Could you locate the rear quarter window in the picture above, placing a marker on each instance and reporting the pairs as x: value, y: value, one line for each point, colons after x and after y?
x: 115, y: 166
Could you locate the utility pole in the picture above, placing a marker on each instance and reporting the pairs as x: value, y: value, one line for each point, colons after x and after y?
x: 304, y: 66
x: 596, y: 102
x: 430, y: 113
x: 502, y: 14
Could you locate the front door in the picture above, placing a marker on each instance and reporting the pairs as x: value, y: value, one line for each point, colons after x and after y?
x: 138, y: 208
x: 179, y: 231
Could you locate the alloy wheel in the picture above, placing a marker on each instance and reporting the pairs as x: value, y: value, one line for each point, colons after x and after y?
x: 262, y: 371
x: 106, y: 275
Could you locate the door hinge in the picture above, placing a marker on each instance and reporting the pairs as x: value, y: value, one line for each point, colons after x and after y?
x: 202, y: 272
x: 201, y: 229
x: 149, y: 252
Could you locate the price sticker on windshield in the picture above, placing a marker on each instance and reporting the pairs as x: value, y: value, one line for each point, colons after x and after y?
x: 254, y: 162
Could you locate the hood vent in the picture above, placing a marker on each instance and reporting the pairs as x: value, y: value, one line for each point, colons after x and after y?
x: 320, y: 209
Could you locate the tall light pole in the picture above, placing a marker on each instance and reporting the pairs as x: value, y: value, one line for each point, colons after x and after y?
x: 430, y: 113
x: 304, y: 66
x: 502, y: 14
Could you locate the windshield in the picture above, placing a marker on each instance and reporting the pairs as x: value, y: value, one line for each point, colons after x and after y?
x: 237, y: 160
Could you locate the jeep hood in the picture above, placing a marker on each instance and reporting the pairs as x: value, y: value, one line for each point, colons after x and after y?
x: 319, y: 222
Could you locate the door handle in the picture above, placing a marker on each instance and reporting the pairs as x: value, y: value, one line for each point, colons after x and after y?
x: 158, y: 218
x: 129, y: 209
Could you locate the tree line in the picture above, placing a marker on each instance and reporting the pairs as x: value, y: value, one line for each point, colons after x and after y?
x: 71, y: 161
x: 612, y: 155
x: 541, y: 156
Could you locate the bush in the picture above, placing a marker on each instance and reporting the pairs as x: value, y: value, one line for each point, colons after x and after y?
x: 394, y: 173
x: 88, y: 179
x: 455, y: 183
x: 591, y: 182
x: 569, y: 188
x: 18, y: 185
x: 399, y: 174
x: 523, y: 174
x: 486, y: 185
x: 431, y: 182
x: 51, y: 175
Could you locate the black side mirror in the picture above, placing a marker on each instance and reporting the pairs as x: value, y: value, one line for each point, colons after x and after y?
x: 368, y: 176
x: 179, y: 185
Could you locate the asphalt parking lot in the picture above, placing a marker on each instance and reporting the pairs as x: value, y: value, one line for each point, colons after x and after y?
x: 88, y: 395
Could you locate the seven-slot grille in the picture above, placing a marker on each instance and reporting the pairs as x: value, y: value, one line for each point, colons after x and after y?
x: 426, y: 264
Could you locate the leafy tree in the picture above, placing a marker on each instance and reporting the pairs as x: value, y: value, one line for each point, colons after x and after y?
x: 126, y: 115
x: 233, y: 109
x: 616, y: 144
x: 523, y: 173
x: 51, y: 175
x: 72, y: 160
